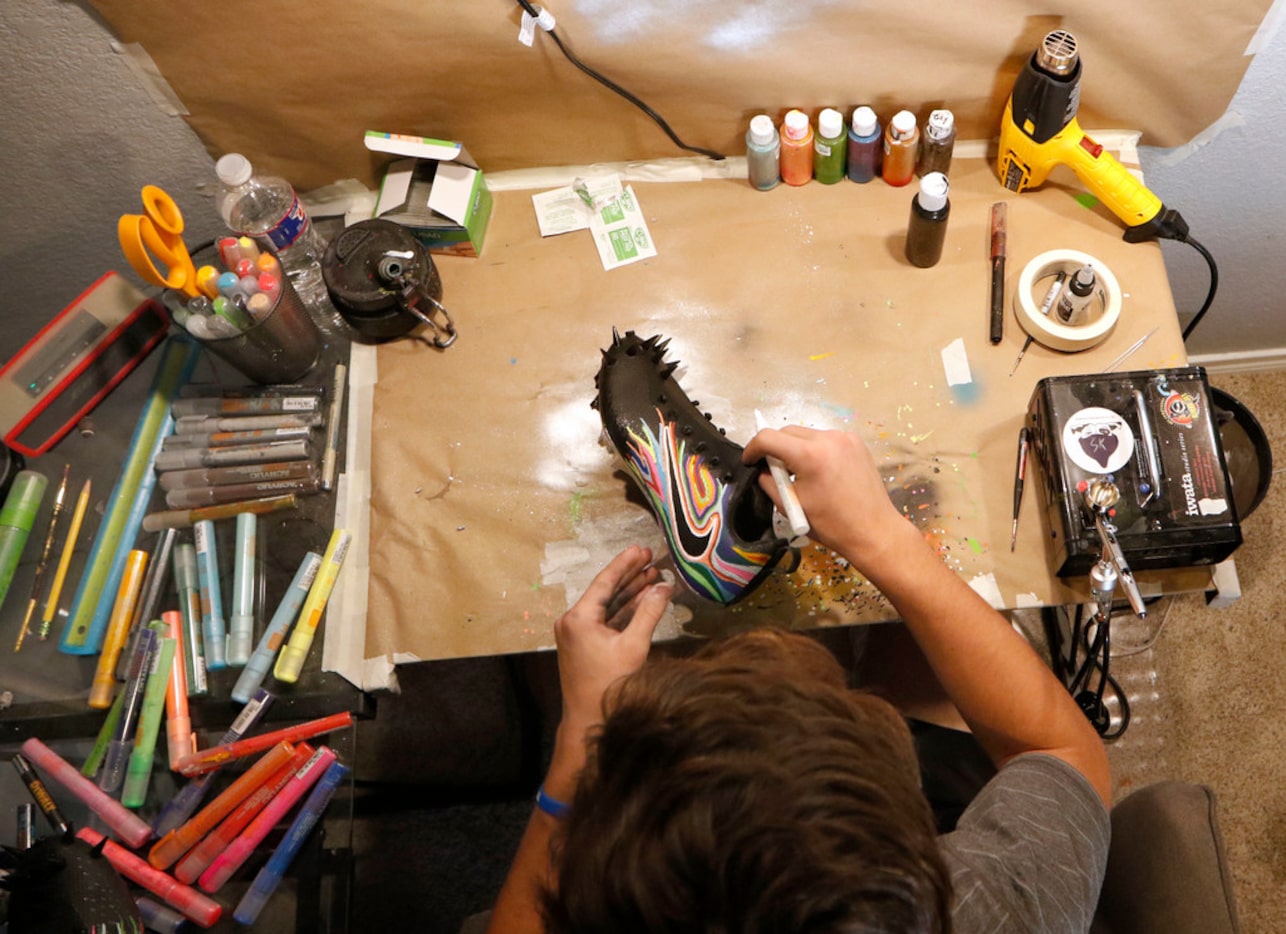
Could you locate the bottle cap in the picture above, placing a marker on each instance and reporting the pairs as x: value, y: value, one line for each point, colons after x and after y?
x: 830, y: 123
x: 1083, y: 281
x: 940, y: 124
x: 796, y: 124
x: 233, y: 169
x: 761, y: 129
x: 903, y: 124
x: 933, y: 191
x: 864, y: 121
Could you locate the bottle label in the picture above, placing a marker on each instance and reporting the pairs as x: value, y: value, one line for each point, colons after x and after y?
x: 822, y: 149
x: 290, y: 228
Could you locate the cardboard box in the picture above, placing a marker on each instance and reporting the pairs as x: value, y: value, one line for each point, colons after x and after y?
x: 435, y: 190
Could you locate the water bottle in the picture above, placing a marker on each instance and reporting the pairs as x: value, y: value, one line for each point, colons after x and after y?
x: 267, y: 208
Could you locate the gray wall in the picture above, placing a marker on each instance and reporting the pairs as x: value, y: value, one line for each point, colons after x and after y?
x: 79, y: 137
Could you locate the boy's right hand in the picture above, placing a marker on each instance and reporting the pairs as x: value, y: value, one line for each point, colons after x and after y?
x: 839, y: 488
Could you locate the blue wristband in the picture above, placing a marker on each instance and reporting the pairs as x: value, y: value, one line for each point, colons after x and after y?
x: 552, y: 806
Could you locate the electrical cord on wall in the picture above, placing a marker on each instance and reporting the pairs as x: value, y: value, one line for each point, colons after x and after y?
x: 1214, y: 285
x: 611, y: 85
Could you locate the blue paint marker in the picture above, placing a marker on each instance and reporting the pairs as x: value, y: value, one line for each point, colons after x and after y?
x: 270, y: 875
x: 257, y: 667
x: 241, y: 628
x: 214, y: 630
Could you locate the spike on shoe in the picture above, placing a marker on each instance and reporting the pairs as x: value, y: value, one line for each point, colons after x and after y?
x: 717, y: 522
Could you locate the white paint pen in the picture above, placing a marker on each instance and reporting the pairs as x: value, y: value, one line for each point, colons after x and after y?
x: 785, y: 488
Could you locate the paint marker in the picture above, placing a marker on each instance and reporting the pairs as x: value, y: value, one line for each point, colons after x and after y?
x: 332, y: 426
x: 187, y: 584
x: 170, y: 848
x: 94, y: 761
x: 16, y: 520
x: 182, y: 806
x: 296, y: 449
x: 291, y: 660
x: 259, y: 663
x: 125, y: 824
x: 241, y: 627
x: 180, y: 740
x: 122, y: 611
x: 262, y: 405
x: 269, y: 877
x: 186, y: 518
x: 223, y: 439
x: 219, y: 391
x: 118, y: 750
x: 148, y: 606
x: 138, y: 774
x: 40, y: 793
x: 214, y: 632
x: 231, y: 859
x: 216, y: 756
x: 204, y: 853
x: 238, y: 492
x: 25, y: 826
x: 204, y: 911
x: 196, y: 424
x: 204, y: 478
x: 785, y: 488
x: 161, y: 918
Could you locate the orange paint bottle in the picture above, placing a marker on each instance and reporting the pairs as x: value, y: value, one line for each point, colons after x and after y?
x: 796, y: 148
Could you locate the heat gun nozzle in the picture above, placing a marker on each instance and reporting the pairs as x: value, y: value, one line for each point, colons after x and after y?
x: 1057, y: 53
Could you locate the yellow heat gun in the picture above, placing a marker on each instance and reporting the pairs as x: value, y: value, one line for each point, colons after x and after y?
x: 1040, y: 131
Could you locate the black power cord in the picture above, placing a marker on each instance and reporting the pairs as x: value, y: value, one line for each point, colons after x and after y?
x: 613, y: 86
x: 1170, y: 225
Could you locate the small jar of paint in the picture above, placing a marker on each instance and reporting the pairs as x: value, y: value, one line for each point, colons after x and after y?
x: 796, y: 148
x: 937, y: 143
x: 865, y: 148
x: 927, y: 229
x: 901, y: 148
x: 763, y: 153
x: 830, y: 147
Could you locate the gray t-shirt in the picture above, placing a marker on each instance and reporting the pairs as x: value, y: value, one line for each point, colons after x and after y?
x: 1028, y: 854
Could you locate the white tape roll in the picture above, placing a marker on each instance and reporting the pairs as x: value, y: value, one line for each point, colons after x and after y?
x: 1047, y: 329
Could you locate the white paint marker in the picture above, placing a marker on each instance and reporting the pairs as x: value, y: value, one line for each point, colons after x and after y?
x: 785, y: 488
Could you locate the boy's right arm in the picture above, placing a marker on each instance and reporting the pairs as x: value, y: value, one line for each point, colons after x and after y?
x: 1005, y: 692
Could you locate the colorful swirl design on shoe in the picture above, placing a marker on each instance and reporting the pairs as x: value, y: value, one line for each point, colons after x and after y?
x: 693, y: 509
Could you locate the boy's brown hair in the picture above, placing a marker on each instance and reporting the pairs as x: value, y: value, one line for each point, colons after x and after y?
x: 747, y: 790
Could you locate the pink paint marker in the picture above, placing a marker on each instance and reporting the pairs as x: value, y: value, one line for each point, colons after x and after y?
x: 204, y: 911
x: 231, y: 859
x: 125, y: 824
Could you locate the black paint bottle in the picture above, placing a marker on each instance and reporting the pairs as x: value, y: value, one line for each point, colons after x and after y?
x: 927, y: 228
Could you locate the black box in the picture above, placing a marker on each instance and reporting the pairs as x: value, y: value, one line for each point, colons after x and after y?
x: 1152, y: 433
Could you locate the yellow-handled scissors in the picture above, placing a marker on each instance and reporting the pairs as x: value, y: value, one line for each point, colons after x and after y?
x: 157, y: 234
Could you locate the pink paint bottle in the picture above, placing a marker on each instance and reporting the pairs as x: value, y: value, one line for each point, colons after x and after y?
x: 796, y: 148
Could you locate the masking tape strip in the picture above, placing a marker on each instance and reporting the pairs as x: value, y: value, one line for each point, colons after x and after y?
x: 1048, y: 330
x: 150, y: 78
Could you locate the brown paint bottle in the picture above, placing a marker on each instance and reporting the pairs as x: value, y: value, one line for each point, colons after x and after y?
x: 927, y: 228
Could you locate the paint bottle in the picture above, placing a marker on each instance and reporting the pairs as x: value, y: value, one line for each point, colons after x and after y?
x: 796, y: 148
x: 937, y: 143
x: 901, y: 146
x: 927, y: 228
x: 1073, y: 302
x: 763, y: 153
x: 830, y: 147
x: 865, y: 148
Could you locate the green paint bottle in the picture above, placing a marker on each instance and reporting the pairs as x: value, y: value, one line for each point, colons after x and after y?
x: 830, y: 147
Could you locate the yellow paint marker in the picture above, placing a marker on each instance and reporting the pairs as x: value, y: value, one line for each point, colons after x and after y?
x: 291, y: 660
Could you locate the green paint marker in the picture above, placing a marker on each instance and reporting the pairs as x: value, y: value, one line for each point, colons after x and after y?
x: 139, y: 771
x: 16, y: 519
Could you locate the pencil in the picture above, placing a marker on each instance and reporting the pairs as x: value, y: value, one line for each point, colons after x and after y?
x: 60, y: 575
x: 332, y: 427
